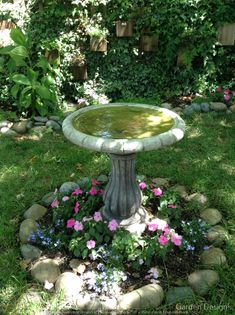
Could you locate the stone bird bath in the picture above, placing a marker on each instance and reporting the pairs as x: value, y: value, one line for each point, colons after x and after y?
x: 122, y: 130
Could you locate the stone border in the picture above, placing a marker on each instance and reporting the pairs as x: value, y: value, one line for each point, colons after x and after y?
x: 124, y: 146
x: 47, y: 271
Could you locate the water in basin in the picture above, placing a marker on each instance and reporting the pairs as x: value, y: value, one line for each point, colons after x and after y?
x: 123, y: 122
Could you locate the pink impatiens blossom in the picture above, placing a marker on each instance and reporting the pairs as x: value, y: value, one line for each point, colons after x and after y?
x: 77, y: 191
x: 219, y: 89
x: 176, y: 239
x: 142, y: 185
x: 65, y: 198
x: 94, y: 182
x: 76, y: 207
x: 152, y: 226
x: 233, y: 93
x: 226, y: 91
x: 166, y: 230
x: 90, y: 244
x: 93, y: 191
x: 226, y: 97
x: 163, y: 240
x: 157, y: 192
x: 97, y: 216
x: 171, y: 206
x: 101, y: 192
x: 54, y: 203
x: 113, y: 225
x: 78, y: 226
x: 70, y: 223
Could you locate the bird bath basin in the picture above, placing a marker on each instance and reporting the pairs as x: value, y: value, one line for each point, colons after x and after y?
x: 122, y: 130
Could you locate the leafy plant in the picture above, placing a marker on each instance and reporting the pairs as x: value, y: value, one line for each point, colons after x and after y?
x: 34, y: 86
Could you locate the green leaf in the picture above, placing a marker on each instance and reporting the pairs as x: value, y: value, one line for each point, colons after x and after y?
x: 15, y: 90
x: 44, y: 64
x: 43, y: 92
x: 6, y: 50
x: 18, y: 36
x: 84, y: 253
x: 2, y: 62
x: 77, y: 252
x: 21, y: 79
x: 32, y: 75
x: 26, y: 97
x: 19, y: 51
x: 41, y: 107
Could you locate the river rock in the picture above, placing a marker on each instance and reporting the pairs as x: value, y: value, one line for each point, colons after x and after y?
x: 232, y: 108
x: 20, y: 127
x: 39, y: 129
x: 205, y: 107
x: 102, y: 179
x: 68, y: 187
x: 199, y: 198
x: 202, y: 280
x: 35, y: 212
x: 54, y: 125
x: 166, y: 105
x: 84, y: 181
x: 213, y: 257
x: 196, y: 107
x: 70, y: 284
x: 217, y: 235
x: 5, y: 123
x: 177, y: 109
x: 181, y: 190
x: 7, y: 132
x: 188, y: 111
x: 218, y: 107
x: 177, y: 294
x: 46, y: 269
x: 27, y: 227
x: 55, y: 118
x: 47, y: 199
x: 211, y: 216
x: 30, y: 124
x: 38, y: 123
x: 30, y: 252
x: 40, y: 119
x: 149, y: 296
x: 161, y: 182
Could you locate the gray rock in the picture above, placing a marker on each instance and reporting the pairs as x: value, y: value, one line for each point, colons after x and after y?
x: 211, y: 216
x: 205, y: 107
x: 27, y: 227
x: 20, y: 127
x: 70, y: 284
x: 30, y: 252
x: 177, y: 294
x: 166, y: 105
x: 46, y: 269
x: 213, y: 257
x: 30, y: 124
x: 35, y: 212
x: 232, y: 108
x: 54, y: 125
x: 102, y: 178
x: 83, y: 181
x: 199, y: 198
x: 47, y: 199
x: 55, y: 118
x: 68, y: 187
x: 40, y: 119
x: 163, y: 182
x: 217, y: 235
x: 196, y: 107
x: 149, y: 296
x: 177, y: 109
x: 181, y: 190
x: 202, y: 280
x: 7, y: 132
x: 218, y: 107
x: 188, y: 111
x: 5, y: 123
x: 37, y: 123
x: 39, y: 129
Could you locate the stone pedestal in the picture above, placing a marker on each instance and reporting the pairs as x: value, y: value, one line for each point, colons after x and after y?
x: 122, y: 197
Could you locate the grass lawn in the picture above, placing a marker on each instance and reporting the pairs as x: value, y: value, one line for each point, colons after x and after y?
x: 204, y: 161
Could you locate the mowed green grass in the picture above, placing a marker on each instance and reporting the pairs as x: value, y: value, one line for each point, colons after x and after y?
x: 204, y: 161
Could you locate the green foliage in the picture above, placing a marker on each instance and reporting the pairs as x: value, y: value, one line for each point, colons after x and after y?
x: 34, y: 86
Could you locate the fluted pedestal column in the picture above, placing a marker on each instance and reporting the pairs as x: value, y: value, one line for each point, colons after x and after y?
x: 122, y: 197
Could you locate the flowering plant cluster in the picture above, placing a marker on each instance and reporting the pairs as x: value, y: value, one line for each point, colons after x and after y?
x: 225, y: 95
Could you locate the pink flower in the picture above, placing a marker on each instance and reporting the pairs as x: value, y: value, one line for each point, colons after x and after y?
x: 161, y: 224
x: 171, y: 206
x: 142, y: 185
x: 101, y: 192
x: 234, y: 93
x: 77, y: 191
x: 70, y: 223
x: 157, y: 192
x: 219, y: 89
x: 78, y: 226
x: 54, y: 203
x: 152, y: 226
x: 176, y: 239
x: 65, y: 198
x: 226, y: 97
x: 76, y: 207
x: 163, y: 240
x: 226, y: 91
x: 90, y: 244
x: 93, y: 191
x: 97, y: 216
x: 94, y: 182
x: 113, y: 225
x: 166, y: 230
